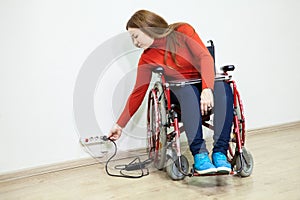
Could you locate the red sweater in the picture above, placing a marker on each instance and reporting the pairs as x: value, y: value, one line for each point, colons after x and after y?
x: 193, y: 61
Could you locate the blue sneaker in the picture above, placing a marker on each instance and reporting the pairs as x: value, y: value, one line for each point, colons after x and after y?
x: 203, y: 164
x: 221, y: 163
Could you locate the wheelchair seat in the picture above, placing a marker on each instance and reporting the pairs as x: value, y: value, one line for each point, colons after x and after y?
x: 218, y: 77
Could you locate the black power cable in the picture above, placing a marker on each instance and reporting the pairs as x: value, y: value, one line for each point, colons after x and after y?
x: 133, y: 165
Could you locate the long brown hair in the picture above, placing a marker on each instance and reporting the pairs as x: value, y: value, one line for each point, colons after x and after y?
x: 156, y: 27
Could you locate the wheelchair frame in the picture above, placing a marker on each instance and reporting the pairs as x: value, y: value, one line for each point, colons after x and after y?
x: 164, y: 148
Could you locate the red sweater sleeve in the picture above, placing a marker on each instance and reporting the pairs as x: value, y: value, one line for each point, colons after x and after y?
x: 136, y: 97
x: 203, y: 61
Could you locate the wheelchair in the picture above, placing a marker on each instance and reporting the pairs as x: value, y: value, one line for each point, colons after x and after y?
x: 163, y: 130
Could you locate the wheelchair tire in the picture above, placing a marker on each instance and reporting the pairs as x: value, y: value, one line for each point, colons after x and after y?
x: 156, y: 125
x: 246, y: 164
x: 172, y: 169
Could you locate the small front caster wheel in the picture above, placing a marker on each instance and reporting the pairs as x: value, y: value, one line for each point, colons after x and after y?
x: 172, y: 168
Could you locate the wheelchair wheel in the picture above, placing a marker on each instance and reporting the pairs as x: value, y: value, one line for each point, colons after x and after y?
x: 244, y: 165
x: 172, y: 168
x: 156, y: 125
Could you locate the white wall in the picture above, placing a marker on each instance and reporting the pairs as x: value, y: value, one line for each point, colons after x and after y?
x: 43, y: 45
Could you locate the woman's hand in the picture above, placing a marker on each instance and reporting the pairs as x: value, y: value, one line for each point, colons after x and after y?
x: 207, y: 101
x: 115, y: 132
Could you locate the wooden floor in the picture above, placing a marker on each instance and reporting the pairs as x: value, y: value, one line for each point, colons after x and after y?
x: 276, y: 175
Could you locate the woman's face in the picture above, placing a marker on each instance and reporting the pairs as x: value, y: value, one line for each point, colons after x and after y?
x: 140, y: 39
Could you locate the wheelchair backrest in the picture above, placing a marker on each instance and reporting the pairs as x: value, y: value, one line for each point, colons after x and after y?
x: 211, y: 49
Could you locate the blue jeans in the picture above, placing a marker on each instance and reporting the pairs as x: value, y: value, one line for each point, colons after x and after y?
x: 188, y: 97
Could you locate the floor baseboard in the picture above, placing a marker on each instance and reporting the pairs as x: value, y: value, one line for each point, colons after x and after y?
x: 275, y: 128
x: 47, y: 169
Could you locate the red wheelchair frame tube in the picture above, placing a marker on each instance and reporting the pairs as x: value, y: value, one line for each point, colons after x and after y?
x: 240, y: 135
x: 177, y: 137
x: 167, y: 91
x: 175, y: 122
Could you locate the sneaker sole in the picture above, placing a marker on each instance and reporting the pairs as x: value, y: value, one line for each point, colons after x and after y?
x: 223, y: 170
x: 207, y: 171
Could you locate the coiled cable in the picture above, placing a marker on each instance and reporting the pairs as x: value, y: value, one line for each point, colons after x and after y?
x: 133, y: 165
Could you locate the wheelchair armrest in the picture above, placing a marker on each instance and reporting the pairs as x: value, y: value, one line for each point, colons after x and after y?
x: 227, y: 68
x: 159, y: 70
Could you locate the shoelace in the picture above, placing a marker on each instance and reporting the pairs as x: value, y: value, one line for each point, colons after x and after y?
x: 219, y: 156
x: 203, y: 159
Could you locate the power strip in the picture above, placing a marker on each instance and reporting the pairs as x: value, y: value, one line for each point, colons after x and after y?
x: 92, y: 140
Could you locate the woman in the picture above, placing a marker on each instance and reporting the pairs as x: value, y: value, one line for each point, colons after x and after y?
x: 182, y: 54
